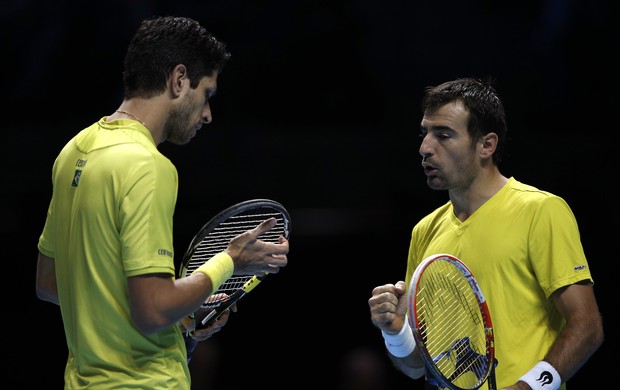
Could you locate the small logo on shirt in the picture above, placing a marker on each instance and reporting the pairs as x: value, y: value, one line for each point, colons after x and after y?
x: 579, y: 267
x: 164, y: 252
x: 545, y: 378
x: 76, y: 178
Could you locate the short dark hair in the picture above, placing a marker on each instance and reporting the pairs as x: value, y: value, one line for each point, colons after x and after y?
x: 161, y: 43
x: 486, y: 111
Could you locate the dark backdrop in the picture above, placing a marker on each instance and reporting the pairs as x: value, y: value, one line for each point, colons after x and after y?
x: 319, y: 109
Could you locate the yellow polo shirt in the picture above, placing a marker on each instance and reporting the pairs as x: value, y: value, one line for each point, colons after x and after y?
x: 110, y: 217
x: 521, y: 245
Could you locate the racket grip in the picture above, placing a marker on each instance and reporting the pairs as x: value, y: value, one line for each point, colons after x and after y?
x: 218, y: 309
x: 491, y: 379
x: 190, y: 345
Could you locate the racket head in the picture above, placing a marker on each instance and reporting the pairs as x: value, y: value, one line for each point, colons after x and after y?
x: 214, y: 237
x: 451, y: 323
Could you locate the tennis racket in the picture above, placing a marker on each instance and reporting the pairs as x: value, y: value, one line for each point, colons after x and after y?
x: 213, y: 238
x: 451, y: 324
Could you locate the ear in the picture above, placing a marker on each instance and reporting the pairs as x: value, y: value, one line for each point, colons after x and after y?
x: 489, y: 144
x: 178, y: 80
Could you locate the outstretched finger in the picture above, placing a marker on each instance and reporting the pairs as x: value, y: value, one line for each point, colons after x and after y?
x: 264, y: 226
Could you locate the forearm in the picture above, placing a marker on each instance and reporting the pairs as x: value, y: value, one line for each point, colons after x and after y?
x: 158, y: 301
x: 581, y: 336
x: 575, y: 345
x: 404, y: 352
x: 412, y: 365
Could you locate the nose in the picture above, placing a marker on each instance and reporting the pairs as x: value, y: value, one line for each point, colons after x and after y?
x: 425, y: 146
x: 206, y: 113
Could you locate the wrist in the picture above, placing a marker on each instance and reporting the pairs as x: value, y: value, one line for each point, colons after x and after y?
x: 401, y: 344
x: 543, y: 376
x: 218, y: 268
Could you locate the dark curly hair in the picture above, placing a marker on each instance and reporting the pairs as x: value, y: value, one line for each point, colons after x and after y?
x: 160, y: 44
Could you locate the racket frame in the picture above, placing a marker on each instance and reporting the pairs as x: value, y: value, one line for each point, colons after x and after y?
x: 436, y: 377
x: 221, y: 217
x: 230, y: 222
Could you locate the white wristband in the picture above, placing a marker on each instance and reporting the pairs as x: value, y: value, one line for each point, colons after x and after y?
x: 402, y: 343
x: 542, y: 377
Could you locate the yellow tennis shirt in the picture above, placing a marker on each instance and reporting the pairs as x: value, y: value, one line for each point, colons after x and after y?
x: 110, y: 217
x: 521, y: 246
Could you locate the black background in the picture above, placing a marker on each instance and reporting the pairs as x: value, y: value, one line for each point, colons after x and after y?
x: 318, y: 109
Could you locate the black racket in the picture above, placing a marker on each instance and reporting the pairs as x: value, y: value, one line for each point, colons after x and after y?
x: 451, y: 324
x: 213, y: 238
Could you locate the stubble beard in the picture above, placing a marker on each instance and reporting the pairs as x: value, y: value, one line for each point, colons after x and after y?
x: 177, y: 128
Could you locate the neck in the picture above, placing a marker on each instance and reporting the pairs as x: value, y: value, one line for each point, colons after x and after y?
x: 132, y: 116
x: 466, y: 201
x: 152, y: 113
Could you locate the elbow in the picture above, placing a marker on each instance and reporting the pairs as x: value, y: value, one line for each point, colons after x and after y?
x: 46, y: 294
x: 594, y: 335
x: 149, y: 324
x: 145, y: 327
x: 41, y: 294
x: 45, y: 283
x: 599, y: 332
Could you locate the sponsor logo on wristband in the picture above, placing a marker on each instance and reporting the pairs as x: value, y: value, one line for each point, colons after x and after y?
x: 545, y: 378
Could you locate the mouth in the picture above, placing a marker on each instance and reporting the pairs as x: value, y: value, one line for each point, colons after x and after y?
x: 195, y: 130
x: 429, y: 169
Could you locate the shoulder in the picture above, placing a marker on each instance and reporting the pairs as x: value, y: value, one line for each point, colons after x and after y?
x: 435, y: 216
x: 526, y: 193
x: 516, y: 187
x: 527, y: 197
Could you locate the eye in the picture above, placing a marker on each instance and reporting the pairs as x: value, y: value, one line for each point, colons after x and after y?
x: 209, y: 93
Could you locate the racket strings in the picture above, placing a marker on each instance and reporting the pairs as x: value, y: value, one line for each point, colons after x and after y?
x: 216, y: 241
x: 451, y: 324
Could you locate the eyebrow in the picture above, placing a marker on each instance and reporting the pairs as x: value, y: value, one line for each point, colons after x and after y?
x: 437, y: 128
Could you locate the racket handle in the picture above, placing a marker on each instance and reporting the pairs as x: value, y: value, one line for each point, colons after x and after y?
x: 431, y: 382
x: 491, y: 379
x: 219, y: 309
x: 190, y: 345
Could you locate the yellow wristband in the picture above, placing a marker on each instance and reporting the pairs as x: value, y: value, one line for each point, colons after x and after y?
x: 218, y: 268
